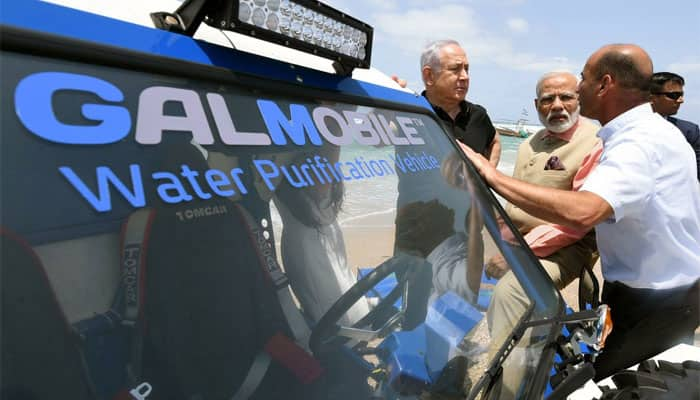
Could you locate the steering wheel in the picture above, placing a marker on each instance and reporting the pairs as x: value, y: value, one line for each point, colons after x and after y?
x: 327, y: 327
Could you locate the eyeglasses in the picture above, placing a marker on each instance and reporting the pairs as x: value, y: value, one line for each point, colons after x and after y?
x: 670, y: 95
x: 548, y: 100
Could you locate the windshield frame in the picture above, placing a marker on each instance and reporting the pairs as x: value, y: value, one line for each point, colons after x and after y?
x: 541, y: 374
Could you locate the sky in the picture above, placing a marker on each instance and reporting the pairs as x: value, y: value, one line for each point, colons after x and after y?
x: 511, y: 43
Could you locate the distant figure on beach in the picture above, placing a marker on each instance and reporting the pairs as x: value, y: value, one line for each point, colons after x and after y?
x: 644, y: 203
x: 558, y: 156
x: 666, y: 98
x: 445, y: 73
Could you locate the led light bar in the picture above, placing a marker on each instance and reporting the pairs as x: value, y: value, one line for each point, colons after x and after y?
x: 304, y: 25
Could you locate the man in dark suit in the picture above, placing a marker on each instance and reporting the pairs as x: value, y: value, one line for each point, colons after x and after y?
x: 666, y: 97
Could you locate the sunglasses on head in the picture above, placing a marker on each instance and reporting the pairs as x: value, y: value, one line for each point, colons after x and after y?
x: 671, y: 95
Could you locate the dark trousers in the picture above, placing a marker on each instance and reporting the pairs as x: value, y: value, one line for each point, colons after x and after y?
x: 645, y: 323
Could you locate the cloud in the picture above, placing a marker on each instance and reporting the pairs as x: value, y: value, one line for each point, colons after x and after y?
x: 534, y: 63
x: 685, y: 67
x: 410, y: 29
x: 348, y: 6
x: 518, y: 25
x: 415, y: 27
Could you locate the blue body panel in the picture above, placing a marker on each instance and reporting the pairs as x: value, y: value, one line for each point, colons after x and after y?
x: 381, y: 289
x: 404, y: 354
x: 416, y: 358
x: 449, y: 319
x: 56, y: 20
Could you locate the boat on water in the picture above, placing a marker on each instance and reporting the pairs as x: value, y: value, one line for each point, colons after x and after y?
x: 518, y: 130
x: 522, y: 132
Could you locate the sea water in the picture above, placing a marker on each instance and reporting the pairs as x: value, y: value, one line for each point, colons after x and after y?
x: 370, y: 203
x: 509, y: 151
x: 360, y: 204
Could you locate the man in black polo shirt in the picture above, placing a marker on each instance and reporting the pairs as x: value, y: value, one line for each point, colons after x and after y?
x: 445, y: 73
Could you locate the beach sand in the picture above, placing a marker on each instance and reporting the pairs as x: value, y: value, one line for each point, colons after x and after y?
x: 372, y: 243
x: 368, y: 246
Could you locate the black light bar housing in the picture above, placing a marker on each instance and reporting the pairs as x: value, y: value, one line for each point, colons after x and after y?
x: 349, y: 48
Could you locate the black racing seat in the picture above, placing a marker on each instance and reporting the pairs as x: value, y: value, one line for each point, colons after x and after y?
x: 208, y: 304
x: 209, y: 307
x: 40, y: 354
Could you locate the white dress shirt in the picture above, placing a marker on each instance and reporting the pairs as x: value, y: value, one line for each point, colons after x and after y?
x: 646, y: 175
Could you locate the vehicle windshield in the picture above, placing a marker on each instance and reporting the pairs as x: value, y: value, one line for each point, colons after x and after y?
x: 182, y: 237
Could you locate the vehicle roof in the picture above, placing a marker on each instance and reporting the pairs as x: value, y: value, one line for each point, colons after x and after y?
x: 128, y: 26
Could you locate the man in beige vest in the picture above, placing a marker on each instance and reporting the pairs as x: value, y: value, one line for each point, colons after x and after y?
x: 559, y: 156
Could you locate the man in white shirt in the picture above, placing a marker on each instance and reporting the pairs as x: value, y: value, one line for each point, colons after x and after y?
x: 643, y: 202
